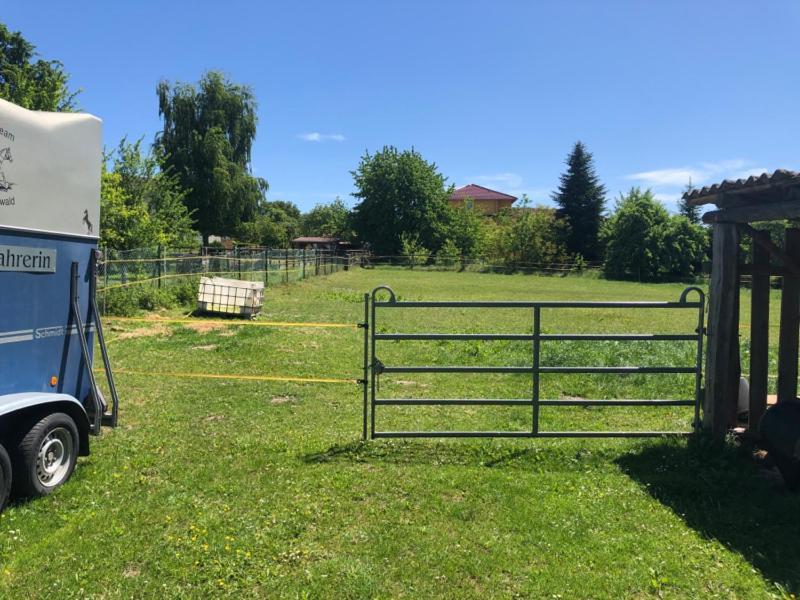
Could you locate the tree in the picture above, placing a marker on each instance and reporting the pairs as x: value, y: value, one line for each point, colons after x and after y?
x: 36, y: 84
x: 529, y: 238
x: 466, y: 230
x: 400, y: 193
x: 275, y: 225
x: 582, y: 200
x: 142, y: 205
x: 691, y: 212
x: 206, y: 141
x: 645, y: 243
x: 330, y: 220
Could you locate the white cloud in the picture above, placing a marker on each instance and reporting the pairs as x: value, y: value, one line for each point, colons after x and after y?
x: 316, y: 136
x: 699, y: 174
x: 680, y: 176
x: 668, y: 184
x: 508, y: 180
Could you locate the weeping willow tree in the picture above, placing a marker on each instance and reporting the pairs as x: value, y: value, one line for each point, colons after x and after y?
x: 206, y: 140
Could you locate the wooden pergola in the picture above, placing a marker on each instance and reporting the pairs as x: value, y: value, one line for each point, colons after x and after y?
x: 774, y: 197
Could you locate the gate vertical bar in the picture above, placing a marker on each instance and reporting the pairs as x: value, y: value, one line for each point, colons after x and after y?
x: 373, y: 327
x: 698, y: 377
x: 537, y: 329
x: 366, y: 326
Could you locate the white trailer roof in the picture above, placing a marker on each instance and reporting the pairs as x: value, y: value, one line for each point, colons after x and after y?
x: 50, y: 171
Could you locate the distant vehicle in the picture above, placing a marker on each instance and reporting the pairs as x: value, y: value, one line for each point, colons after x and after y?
x: 49, y: 400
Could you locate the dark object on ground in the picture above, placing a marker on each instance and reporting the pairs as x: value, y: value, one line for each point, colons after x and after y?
x: 780, y: 431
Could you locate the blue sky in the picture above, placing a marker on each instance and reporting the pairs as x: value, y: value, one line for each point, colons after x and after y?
x: 494, y: 92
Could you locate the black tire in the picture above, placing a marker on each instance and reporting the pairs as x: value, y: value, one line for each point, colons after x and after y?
x: 5, y: 477
x: 46, y: 456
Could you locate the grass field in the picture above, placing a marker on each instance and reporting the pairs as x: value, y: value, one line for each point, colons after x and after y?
x: 235, y: 488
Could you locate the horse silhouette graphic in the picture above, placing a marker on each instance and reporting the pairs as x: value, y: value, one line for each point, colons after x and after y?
x: 5, y: 156
x: 87, y: 222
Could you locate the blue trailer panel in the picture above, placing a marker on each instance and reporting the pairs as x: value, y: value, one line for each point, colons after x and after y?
x: 39, y: 346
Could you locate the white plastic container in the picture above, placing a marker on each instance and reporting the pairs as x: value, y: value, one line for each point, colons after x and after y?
x: 230, y: 296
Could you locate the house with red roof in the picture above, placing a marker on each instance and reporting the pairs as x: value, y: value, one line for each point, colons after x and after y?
x: 489, y: 202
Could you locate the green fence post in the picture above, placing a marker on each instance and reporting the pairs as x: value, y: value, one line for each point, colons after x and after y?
x: 304, y: 262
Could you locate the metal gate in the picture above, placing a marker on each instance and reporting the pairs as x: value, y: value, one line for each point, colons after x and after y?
x: 374, y: 367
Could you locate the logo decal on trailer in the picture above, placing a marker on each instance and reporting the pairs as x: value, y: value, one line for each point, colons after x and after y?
x: 6, y: 157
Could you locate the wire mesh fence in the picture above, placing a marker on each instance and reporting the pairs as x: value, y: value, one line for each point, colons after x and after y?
x: 162, y: 268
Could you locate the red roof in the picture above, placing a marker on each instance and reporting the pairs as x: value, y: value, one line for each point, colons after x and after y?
x: 478, y: 192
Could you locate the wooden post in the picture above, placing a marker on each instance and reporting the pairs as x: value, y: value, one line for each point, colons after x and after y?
x: 759, y: 332
x: 790, y: 324
x: 722, y: 359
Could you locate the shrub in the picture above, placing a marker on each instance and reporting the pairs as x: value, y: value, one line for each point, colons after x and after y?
x: 129, y: 301
x: 643, y: 242
x: 448, y: 255
x: 413, y: 251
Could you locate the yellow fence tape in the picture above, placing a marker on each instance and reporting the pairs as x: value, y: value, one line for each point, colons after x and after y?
x: 235, y: 377
x: 232, y: 322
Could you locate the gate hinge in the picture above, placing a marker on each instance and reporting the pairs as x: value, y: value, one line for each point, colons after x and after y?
x: 377, y: 367
x: 362, y: 325
x: 361, y: 382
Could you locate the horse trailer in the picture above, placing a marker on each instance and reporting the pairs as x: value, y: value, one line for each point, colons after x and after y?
x: 49, y: 219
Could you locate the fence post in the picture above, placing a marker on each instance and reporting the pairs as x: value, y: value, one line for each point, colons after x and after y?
x: 286, y: 265
x: 159, y: 263
x: 266, y: 267
x: 304, y: 262
x: 238, y: 261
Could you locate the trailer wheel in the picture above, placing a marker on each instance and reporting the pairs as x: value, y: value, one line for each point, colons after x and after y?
x: 5, y: 477
x: 46, y: 456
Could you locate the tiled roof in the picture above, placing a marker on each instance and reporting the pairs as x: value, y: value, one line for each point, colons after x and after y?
x: 478, y: 192
x: 753, y: 184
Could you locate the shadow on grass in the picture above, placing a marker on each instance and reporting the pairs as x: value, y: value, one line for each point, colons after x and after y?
x: 554, y: 455
x: 720, y: 494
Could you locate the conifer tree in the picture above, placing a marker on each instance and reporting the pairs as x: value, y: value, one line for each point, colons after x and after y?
x: 687, y: 210
x: 582, y: 199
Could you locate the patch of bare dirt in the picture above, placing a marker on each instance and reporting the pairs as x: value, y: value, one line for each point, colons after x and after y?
x: 150, y: 331
x: 131, y: 571
x: 282, y: 400
x: 205, y: 327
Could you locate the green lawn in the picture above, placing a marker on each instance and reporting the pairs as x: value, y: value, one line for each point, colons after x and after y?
x: 230, y: 488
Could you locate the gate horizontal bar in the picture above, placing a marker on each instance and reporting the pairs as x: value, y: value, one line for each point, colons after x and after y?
x: 453, y: 336
x: 608, y: 370
x: 618, y: 370
x: 528, y: 434
x: 542, y: 304
x: 611, y: 337
x: 621, y: 337
x: 525, y: 402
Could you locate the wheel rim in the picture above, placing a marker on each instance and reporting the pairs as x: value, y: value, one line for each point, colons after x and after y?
x: 54, y: 457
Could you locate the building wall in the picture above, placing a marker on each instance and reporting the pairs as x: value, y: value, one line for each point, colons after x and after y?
x: 487, y: 207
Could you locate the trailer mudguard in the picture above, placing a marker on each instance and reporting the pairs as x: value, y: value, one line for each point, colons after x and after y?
x: 15, y: 408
